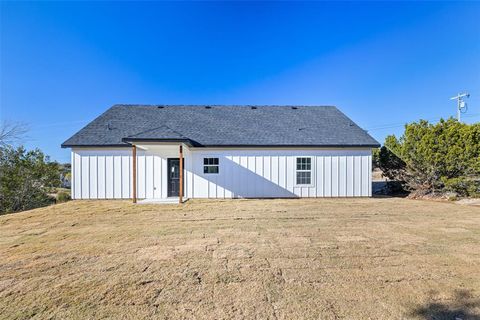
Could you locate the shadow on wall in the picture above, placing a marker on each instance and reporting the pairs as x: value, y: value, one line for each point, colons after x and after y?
x: 463, y: 306
x: 246, y: 183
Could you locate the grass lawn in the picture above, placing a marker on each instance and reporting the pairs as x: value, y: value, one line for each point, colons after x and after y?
x: 242, y: 259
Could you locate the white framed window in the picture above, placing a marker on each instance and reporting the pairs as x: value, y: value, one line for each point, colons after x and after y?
x: 303, y: 172
x: 210, y: 166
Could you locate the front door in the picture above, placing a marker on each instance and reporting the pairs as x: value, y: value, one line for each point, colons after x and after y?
x: 173, y: 177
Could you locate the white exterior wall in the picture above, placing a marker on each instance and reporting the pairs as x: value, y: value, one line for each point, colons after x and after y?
x: 243, y: 173
x: 106, y: 173
x: 253, y: 173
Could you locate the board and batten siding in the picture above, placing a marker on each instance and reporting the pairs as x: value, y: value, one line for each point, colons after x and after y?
x: 272, y: 174
x: 250, y: 173
x: 107, y: 173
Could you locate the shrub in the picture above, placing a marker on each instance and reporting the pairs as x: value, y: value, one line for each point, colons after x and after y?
x: 391, y: 165
x: 26, y: 178
x: 431, y: 158
x: 452, y: 197
x: 63, y: 196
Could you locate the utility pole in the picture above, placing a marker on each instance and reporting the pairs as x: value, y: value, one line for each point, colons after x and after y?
x: 461, y: 104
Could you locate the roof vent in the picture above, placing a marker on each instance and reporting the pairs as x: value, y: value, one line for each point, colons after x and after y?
x: 160, y: 107
x: 294, y: 108
x: 208, y: 107
x: 253, y: 108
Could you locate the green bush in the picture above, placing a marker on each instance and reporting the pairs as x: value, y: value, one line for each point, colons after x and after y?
x: 63, y: 196
x: 26, y: 179
x: 391, y: 165
x: 462, y: 186
x: 431, y: 158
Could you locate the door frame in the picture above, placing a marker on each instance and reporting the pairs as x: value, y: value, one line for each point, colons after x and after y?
x: 168, y: 177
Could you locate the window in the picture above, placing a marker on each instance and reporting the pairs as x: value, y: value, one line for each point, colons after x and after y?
x: 304, y: 171
x: 210, y: 165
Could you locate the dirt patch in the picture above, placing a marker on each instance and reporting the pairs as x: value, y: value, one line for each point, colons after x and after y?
x: 471, y: 202
x: 454, y: 230
x: 267, y: 259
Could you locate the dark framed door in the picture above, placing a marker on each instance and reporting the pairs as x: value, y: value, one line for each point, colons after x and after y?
x: 173, y: 166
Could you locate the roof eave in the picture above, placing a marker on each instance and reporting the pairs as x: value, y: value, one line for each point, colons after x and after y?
x: 114, y: 145
x: 188, y: 142
x: 291, y: 146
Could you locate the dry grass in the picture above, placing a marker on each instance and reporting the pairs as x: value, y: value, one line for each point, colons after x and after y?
x: 242, y: 259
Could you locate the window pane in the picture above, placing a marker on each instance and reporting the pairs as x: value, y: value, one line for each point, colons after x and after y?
x: 210, y: 169
x: 299, y: 163
x: 299, y: 178
x: 304, y: 163
x: 210, y: 161
x: 308, y: 179
x: 303, y: 177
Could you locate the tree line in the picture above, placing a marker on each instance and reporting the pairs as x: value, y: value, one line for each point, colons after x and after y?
x: 28, y: 179
x: 434, y: 158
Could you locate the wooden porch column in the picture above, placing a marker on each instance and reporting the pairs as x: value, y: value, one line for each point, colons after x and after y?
x: 180, y: 191
x: 134, y: 174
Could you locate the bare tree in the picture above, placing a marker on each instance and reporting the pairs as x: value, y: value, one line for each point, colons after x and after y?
x: 12, y: 132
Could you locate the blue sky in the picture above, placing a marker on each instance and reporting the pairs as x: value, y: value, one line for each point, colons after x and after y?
x: 382, y: 63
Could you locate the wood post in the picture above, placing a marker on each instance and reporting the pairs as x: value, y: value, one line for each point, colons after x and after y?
x: 134, y: 174
x: 180, y: 191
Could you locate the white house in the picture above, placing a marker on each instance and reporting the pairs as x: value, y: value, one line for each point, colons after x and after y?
x: 134, y: 151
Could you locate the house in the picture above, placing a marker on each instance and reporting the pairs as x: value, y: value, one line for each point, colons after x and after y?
x: 134, y: 151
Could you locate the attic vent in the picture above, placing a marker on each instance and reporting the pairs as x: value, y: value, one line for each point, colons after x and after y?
x: 253, y: 108
x: 208, y: 107
x: 160, y: 107
x: 294, y: 108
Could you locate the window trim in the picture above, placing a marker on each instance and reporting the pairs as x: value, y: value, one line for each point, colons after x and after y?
x: 210, y: 165
x: 312, y: 170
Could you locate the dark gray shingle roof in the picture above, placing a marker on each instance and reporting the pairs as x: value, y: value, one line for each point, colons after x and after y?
x: 223, y: 126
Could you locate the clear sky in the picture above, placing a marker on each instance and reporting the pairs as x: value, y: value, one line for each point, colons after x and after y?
x: 382, y: 63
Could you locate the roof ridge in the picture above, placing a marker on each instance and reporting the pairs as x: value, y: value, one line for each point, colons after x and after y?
x: 224, y: 105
